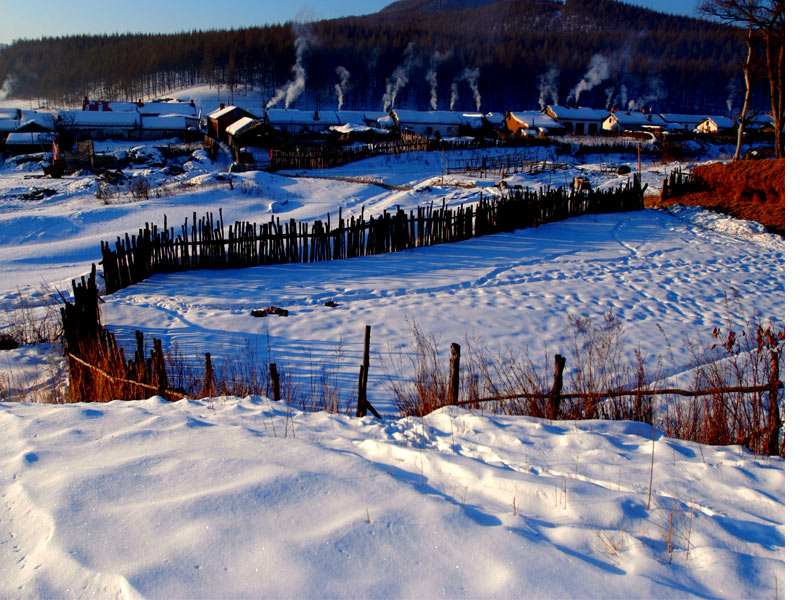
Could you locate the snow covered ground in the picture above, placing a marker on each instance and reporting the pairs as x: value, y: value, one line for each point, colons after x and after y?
x: 240, y: 498
x: 230, y: 497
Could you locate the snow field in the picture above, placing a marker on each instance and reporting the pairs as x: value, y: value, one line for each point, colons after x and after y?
x: 230, y: 497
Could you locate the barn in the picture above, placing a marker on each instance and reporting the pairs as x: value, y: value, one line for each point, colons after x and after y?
x: 577, y: 120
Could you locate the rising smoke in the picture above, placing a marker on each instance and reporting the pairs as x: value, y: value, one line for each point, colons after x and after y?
x: 343, y: 85
x: 292, y: 89
x: 8, y: 84
x: 470, y: 75
x: 548, y: 86
x: 437, y: 59
x: 597, y: 72
x: 655, y: 92
x: 399, y: 78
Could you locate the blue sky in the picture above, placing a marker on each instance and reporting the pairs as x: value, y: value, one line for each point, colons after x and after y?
x: 32, y: 19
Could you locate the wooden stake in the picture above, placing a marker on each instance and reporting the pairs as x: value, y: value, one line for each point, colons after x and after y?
x: 455, y: 360
x: 276, y: 382
x: 558, y: 384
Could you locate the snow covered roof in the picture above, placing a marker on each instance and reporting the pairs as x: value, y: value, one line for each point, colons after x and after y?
x: 80, y: 118
x: 762, y: 120
x: 693, y: 120
x: 9, y: 113
x: 535, y: 120
x: 354, y: 117
x: 474, y: 120
x: 28, y: 139
x: 168, y: 108
x: 637, y: 119
x: 45, y: 119
x: 429, y: 117
x: 8, y: 124
x: 582, y: 113
x: 374, y: 115
x: 720, y: 121
x: 221, y: 111
x: 242, y: 125
x: 177, y: 123
x: 385, y: 121
x: 288, y: 116
x: 495, y: 118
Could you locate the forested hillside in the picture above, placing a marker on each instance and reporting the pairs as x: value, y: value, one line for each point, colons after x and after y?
x: 461, y: 54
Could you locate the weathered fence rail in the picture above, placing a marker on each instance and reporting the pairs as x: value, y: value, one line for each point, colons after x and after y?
x: 204, y: 243
x: 679, y: 182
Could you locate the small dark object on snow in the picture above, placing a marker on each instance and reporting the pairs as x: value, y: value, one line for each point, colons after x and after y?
x: 272, y: 310
x: 38, y: 194
x: 623, y: 170
x: 331, y: 304
x: 7, y: 342
x: 113, y: 177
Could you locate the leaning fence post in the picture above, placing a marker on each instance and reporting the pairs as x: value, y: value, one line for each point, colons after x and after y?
x: 276, y: 382
x: 455, y: 360
x: 361, y: 407
x: 555, y: 393
x: 774, y: 418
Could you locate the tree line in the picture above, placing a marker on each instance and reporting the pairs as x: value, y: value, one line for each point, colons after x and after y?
x: 508, y: 54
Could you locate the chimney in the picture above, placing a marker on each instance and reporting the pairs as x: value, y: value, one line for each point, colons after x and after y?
x: 221, y: 105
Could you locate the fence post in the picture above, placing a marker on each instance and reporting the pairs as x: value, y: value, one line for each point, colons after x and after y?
x: 361, y: 406
x: 774, y: 424
x: 555, y: 393
x: 455, y: 360
x: 209, y: 388
x: 276, y: 382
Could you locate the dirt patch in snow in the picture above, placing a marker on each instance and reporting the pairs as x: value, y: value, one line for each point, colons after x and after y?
x: 747, y: 189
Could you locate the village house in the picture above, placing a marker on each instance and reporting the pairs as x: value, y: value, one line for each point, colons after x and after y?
x: 98, y: 125
x: 578, y: 120
x: 716, y: 124
x: 247, y: 131
x: 7, y: 126
x: 681, y: 122
x: 28, y: 142
x: 427, y: 123
x: 297, y: 122
x: 621, y: 121
x: 531, y: 123
x: 219, y: 120
x: 159, y: 128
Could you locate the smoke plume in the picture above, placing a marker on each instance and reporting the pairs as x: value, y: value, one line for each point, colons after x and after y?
x: 437, y: 59
x: 8, y: 84
x: 733, y: 90
x: 470, y: 75
x: 548, y: 87
x: 655, y: 93
x: 343, y: 85
x: 597, y: 73
x: 399, y: 78
x: 292, y: 89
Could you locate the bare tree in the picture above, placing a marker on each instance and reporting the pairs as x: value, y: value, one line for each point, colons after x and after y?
x: 766, y: 19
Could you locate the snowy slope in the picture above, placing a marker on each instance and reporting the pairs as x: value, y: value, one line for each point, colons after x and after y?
x: 240, y: 498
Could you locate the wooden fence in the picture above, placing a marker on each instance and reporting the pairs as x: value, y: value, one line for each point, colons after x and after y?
x: 502, y: 165
x: 204, y: 243
x: 679, y: 182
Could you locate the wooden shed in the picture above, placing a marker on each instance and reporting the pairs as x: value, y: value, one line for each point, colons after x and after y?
x: 219, y: 120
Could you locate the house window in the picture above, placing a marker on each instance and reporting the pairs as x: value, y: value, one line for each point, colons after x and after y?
x: 578, y: 128
x: 592, y: 128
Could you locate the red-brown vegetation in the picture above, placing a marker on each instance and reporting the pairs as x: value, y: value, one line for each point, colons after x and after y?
x: 747, y: 189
